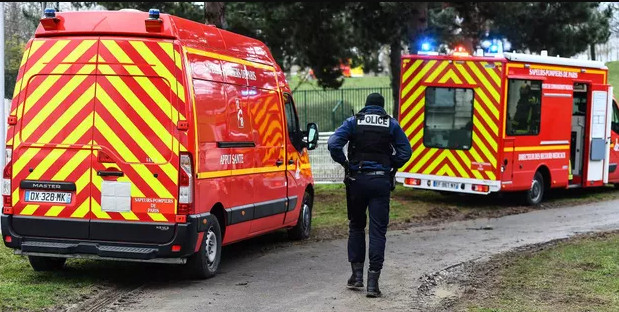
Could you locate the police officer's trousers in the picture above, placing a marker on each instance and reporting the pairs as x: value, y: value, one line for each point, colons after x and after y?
x: 368, y: 192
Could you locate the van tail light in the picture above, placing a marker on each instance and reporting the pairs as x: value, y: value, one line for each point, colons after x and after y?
x: 7, y: 173
x: 480, y: 188
x: 185, y: 185
x: 412, y: 181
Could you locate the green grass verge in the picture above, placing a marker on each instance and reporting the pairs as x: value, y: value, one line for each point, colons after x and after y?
x: 352, y: 82
x: 412, y: 204
x: 613, y: 76
x: 580, y: 275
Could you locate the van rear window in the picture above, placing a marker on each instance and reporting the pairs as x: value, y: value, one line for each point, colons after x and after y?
x: 448, y: 118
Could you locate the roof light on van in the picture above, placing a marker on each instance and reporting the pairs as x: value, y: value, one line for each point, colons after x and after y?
x: 154, y: 23
x: 49, y: 13
x: 49, y: 19
x: 153, y: 14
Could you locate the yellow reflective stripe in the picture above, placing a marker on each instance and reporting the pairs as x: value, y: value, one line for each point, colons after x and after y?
x: 480, y: 126
x: 467, y: 162
x: 450, y: 75
x: 485, y: 82
x: 541, y: 148
x: 21, y: 161
x: 437, y: 71
x: 157, y: 217
x: 159, y: 68
x: 135, y: 103
x: 457, y: 165
x: 465, y: 74
x: 70, y: 166
x: 15, y: 196
x: 488, y: 103
x: 29, y: 210
x: 235, y: 172
x: 54, y: 211
x: 162, y: 100
x: 492, y: 73
x: 129, y: 215
x: 435, y: 162
x: 46, y: 111
x: 479, y: 107
x: 67, y: 115
x: 47, y: 162
x: 83, y: 209
x: 143, y: 142
x: 412, y: 98
x: 97, y: 211
x: 128, y: 156
x: 411, y: 69
x: 446, y: 170
x: 417, y: 77
x: 43, y: 60
x: 478, y: 143
x: 229, y: 59
x: 425, y: 159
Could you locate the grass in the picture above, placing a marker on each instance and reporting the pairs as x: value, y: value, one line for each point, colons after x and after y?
x: 578, y: 275
x: 613, y: 77
x: 350, y: 82
x: 409, y: 205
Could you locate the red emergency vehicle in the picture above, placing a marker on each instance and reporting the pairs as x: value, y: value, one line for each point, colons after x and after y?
x: 147, y: 137
x: 514, y: 122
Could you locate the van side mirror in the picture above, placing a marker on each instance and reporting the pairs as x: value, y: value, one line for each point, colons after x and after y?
x: 312, y: 136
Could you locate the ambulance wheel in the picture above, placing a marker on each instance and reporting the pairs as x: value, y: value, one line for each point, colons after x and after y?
x: 46, y: 263
x: 304, y: 223
x: 535, y: 194
x: 204, y: 263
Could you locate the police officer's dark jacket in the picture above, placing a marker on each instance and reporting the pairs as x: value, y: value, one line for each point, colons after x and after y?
x: 376, y: 141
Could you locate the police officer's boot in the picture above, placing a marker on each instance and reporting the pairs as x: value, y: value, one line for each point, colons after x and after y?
x: 373, y: 290
x: 356, y: 279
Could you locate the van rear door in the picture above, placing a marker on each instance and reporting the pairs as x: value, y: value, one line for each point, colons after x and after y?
x: 52, y: 148
x: 136, y: 151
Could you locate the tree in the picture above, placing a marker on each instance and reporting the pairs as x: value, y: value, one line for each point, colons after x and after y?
x: 561, y: 28
x: 215, y: 14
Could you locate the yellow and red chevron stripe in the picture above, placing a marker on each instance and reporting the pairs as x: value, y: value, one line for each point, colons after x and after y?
x: 75, y: 98
x: 484, y: 77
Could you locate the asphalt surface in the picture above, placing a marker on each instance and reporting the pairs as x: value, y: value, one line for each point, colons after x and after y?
x: 312, y: 276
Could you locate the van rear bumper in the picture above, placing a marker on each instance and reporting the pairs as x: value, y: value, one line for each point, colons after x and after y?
x: 185, y: 236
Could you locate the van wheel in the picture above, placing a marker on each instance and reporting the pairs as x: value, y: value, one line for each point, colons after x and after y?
x: 535, y: 194
x: 40, y: 264
x: 304, y: 223
x: 204, y: 263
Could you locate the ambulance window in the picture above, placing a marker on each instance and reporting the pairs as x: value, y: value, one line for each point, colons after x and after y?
x: 524, y: 108
x: 615, y: 123
x: 448, y: 118
x: 292, y: 120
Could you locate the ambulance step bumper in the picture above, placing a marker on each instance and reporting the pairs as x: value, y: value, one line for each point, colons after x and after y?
x: 89, y: 248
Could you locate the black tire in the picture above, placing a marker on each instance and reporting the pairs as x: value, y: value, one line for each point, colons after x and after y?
x: 41, y: 264
x: 205, y: 263
x: 535, y: 194
x: 304, y: 224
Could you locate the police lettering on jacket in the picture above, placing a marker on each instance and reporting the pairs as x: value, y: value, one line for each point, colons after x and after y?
x: 373, y: 120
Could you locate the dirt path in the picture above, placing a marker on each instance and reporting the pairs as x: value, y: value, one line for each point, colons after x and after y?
x: 311, y: 277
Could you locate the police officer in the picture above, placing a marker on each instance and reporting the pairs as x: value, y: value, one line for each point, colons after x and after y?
x: 377, y: 147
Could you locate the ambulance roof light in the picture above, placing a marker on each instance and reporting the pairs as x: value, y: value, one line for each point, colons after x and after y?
x: 425, y: 46
x: 49, y: 13
x: 153, y: 14
x: 494, y: 48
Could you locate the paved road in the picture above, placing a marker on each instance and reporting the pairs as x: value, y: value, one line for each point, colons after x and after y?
x: 311, y: 277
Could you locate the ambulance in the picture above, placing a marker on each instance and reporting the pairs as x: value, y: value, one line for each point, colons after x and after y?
x: 146, y: 137
x: 509, y: 122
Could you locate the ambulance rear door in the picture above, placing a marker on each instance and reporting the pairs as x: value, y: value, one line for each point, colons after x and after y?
x: 600, y: 114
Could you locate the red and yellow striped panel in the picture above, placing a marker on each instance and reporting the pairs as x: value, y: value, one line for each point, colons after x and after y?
x: 79, y: 97
x: 137, y: 108
x: 480, y: 162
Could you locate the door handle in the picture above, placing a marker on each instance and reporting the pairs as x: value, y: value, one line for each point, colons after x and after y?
x: 279, y: 162
x: 103, y: 173
x: 291, y: 161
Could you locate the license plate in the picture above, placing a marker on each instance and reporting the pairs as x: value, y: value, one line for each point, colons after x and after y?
x: 449, y: 185
x: 48, y: 197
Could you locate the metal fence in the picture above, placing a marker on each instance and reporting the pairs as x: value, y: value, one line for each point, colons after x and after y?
x: 329, y: 108
x: 324, y: 169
